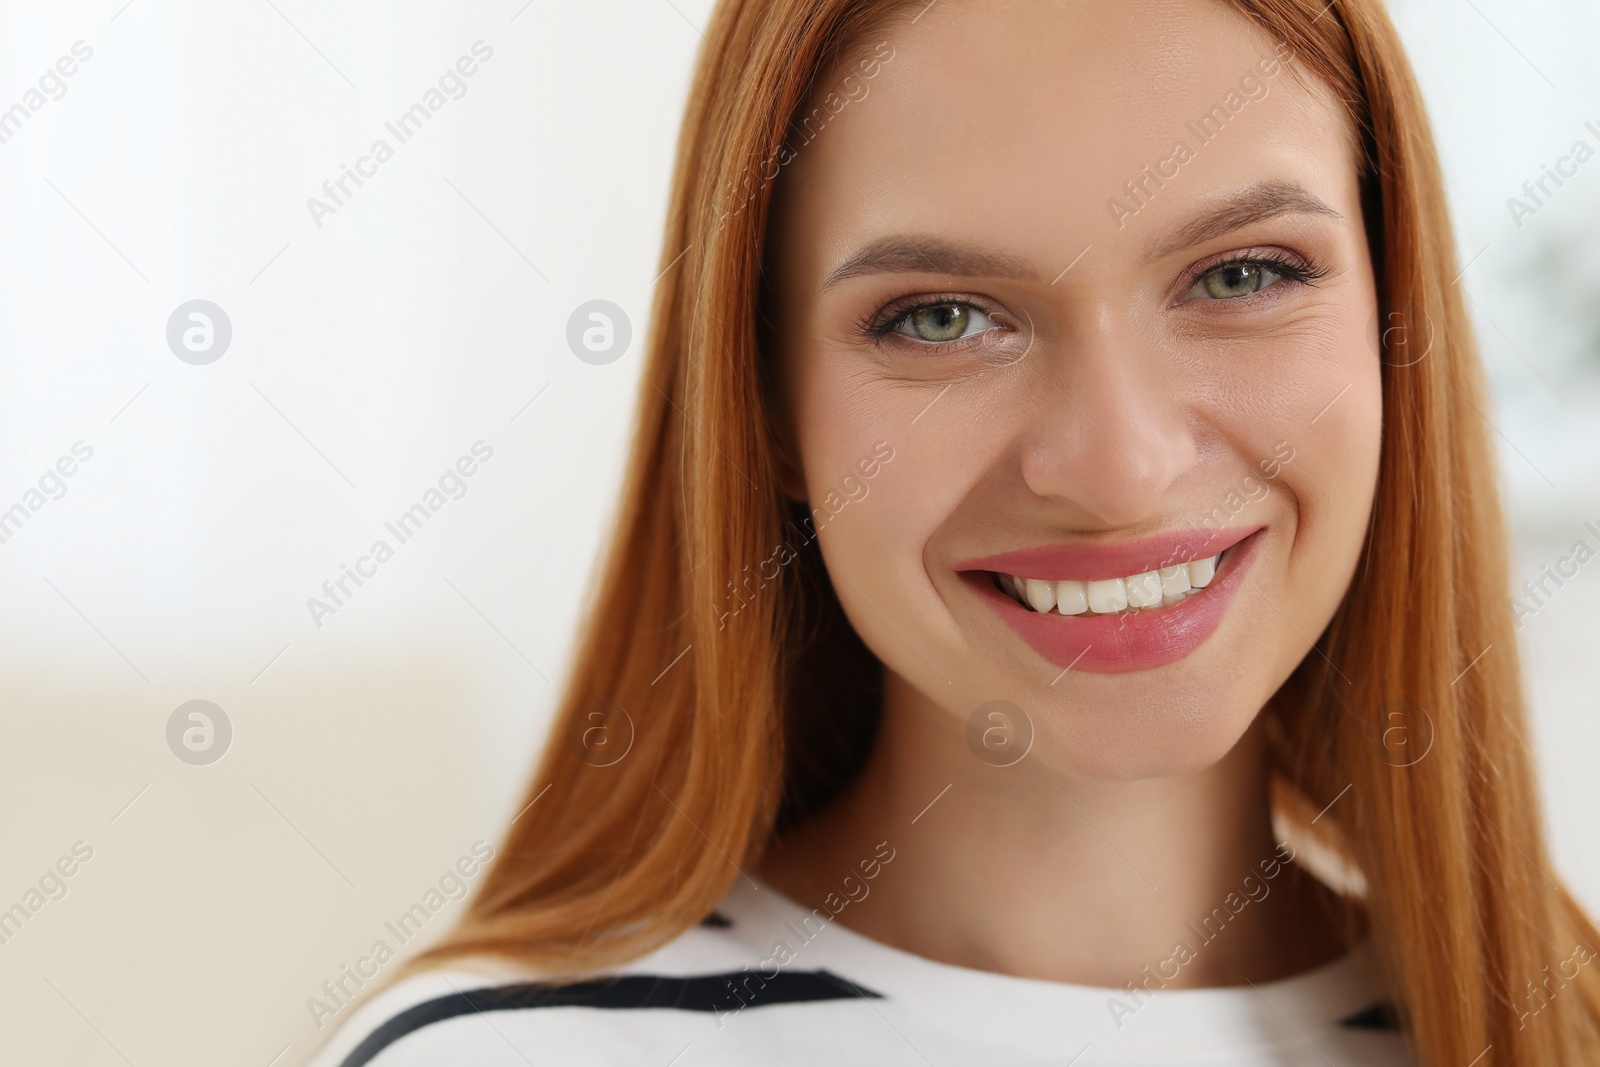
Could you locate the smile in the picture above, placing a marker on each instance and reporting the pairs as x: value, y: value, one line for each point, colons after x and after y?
x: 1110, y: 608
x: 1151, y: 589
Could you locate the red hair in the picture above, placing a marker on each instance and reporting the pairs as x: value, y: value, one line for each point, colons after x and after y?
x: 613, y: 861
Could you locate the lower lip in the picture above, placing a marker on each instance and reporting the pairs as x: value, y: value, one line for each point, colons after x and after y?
x: 1126, y: 641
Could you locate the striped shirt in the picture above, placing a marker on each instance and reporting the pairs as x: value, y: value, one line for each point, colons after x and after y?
x: 764, y: 980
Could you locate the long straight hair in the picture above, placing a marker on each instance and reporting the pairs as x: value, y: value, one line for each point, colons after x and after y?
x: 734, y: 697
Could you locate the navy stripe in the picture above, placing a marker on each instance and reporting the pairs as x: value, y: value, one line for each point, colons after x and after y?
x: 701, y: 992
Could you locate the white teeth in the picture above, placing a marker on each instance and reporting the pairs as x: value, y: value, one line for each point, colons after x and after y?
x: 1150, y: 589
x: 1144, y: 590
x: 1175, y: 580
x: 1041, y: 595
x: 1108, y: 595
x: 1071, y: 598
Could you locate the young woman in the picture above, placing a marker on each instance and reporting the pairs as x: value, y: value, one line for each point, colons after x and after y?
x: 1058, y: 607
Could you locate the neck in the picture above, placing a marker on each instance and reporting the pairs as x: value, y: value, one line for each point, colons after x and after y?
x: 1026, y: 871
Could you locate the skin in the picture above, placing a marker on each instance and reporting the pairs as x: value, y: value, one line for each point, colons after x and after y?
x: 1111, y: 401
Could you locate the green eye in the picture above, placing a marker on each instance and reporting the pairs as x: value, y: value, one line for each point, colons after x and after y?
x: 1245, y: 277
x: 942, y: 323
x: 945, y: 322
x: 1236, y: 280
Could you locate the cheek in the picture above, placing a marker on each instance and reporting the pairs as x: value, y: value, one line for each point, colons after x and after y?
x: 1335, y: 483
x: 1302, y: 408
x: 1303, y: 413
x: 1327, y: 412
x: 875, y: 546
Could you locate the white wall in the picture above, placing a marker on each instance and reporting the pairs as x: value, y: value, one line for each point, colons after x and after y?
x: 427, y: 313
x: 1511, y: 87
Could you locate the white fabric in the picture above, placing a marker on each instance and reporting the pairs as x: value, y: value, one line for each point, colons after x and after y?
x: 930, y: 1015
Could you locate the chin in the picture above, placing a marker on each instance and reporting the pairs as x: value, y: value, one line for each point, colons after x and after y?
x: 1140, y: 738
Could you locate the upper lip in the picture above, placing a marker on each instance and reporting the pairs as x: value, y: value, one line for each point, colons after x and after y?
x: 1095, y: 561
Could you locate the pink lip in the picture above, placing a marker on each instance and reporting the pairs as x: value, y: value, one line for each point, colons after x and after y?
x: 1131, y: 641
x: 1091, y: 562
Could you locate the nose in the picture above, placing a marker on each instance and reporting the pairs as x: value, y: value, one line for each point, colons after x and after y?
x: 1111, y: 434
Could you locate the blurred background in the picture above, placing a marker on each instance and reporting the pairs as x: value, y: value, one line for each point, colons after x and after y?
x: 224, y: 377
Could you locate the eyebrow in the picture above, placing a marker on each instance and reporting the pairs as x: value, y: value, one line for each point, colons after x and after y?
x: 1257, y: 203
x: 900, y: 254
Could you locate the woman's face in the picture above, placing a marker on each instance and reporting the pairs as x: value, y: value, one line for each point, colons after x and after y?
x: 1093, y: 277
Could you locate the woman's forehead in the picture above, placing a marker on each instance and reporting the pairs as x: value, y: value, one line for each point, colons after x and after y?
x: 1062, y: 123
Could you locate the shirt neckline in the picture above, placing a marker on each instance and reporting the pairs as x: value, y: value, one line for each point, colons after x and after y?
x: 1038, y: 1015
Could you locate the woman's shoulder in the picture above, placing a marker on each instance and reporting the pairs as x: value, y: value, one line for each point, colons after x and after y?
x: 765, y: 980
x: 487, y: 1011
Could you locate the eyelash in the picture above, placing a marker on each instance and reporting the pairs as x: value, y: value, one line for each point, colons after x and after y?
x: 882, y: 322
x: 1288, y: 267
